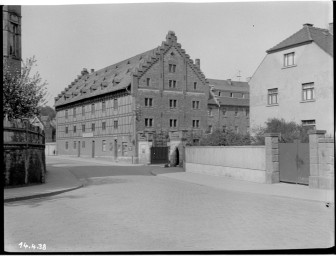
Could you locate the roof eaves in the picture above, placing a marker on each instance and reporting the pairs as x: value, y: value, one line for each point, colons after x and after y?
x: 288, y: 47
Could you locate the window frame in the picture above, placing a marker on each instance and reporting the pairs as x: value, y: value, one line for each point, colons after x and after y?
x: 308, y: 87
x: 148, y: 122
x: 272, y: 94
x: 286, y: 59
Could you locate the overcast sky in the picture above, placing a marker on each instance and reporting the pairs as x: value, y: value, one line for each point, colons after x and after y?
x: 227, y: 37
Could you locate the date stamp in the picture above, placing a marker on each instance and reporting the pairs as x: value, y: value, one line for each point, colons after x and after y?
x: 33, y: 246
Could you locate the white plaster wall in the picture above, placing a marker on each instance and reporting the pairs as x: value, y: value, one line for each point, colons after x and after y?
x: 229, y: 172
x: 312, y: 65
x: 244, y: 157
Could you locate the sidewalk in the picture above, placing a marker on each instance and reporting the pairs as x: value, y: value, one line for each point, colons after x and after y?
x: 277, y: 189
x: 58, y: 181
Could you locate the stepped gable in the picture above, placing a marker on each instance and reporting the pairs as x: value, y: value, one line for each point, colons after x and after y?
x: 305, y: 35
x: 119, y: 76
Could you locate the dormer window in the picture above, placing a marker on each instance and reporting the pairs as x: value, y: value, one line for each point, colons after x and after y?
x: 289, y: 59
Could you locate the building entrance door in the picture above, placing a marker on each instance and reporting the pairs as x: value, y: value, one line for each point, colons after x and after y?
x: 93, y: 149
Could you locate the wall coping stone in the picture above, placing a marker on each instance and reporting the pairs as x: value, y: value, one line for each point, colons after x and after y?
x: 317, y: 132
x: 272, y: 134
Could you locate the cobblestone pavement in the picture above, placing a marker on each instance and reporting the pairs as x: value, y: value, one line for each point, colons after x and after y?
x: 152, y: 213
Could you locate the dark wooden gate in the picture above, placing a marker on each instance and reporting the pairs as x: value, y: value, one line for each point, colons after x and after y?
x: 159, y: 155
x: 294, y: 162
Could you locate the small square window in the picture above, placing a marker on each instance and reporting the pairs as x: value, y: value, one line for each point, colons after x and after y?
x: 273, y: 96
x: 148, y: 102
x: 173, y: 123
x: 307, y: 91
x: 289, y: 59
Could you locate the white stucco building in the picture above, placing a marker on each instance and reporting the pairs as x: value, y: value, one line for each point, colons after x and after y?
x: 295, y: 81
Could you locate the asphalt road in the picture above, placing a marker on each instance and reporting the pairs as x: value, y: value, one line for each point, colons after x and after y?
x: 124, y: 208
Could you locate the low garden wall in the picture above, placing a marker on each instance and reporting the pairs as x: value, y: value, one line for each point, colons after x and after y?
x: 24, y: 153
x: 239, y: 162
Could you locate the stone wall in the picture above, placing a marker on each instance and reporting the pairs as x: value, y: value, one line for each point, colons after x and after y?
x: 321, y: 160
x: 24, y: 154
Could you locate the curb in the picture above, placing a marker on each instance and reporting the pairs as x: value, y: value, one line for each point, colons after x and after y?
x: 14, y: 199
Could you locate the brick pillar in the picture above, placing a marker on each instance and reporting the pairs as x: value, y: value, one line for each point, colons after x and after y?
x: 317, y: 177
x: 272, y: 158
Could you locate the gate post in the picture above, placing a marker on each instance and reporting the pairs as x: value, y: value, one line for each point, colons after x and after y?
x: 321, y: 157
x: 272, y: 158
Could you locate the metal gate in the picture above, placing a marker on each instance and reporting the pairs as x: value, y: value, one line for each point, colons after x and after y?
x: 294, y: 162
x: 159, y: 155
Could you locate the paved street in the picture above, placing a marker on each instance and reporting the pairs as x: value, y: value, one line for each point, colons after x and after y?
x: 124, y: 208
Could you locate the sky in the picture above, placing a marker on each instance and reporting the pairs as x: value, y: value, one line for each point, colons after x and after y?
x: 229, y: 38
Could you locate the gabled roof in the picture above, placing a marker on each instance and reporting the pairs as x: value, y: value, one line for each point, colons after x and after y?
x: 119, y: 76
x: 228, y: 85
x: 308, y: 34
x: 227, y: 101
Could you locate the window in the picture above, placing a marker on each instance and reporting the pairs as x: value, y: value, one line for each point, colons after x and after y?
x: 14, y: 42
x: 83, y: 127
x: 66, y: 145
x: 173, y: 122
x: 236, y: 111
x: 93, y: 109
x: 236, y: 129
x: 148, y: 102
x: 148, y: 81
x: 66, y: 129
x: 83, y: 110
x: 83, y: 144
x: 309, y: 124
x: 93, y: 127
x: 103, y: 106
x: 172, y: 103
x: 219, y: 93
x: 74, y: 129
x: 289, y: 59
x: 210, y: 112
x: 74, y: 112
x: 172, y: 83
x: 195, y: 104
x: 103, y: 125
x: 115, y: 103
x: 115, y: 124
x: 66, y: 114
x: 195, y: 85
x: 172, y: 68
x: 210, y: 128
x: 273, y: 96
x: 247, y: 112
x: 104, y: 145
x: 307, y: 91
x: 224, y: 111
x: 149, y: 122
x: 231, y: 94
x: 75, y: 145
x: 195, y: 123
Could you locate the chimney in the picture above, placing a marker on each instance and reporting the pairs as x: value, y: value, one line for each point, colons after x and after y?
x: 229, y: 81
x: 92, y: 70
x: 84, y: 72
x: 308, y: 25
x: 198, y: 63
x: 331, y: 28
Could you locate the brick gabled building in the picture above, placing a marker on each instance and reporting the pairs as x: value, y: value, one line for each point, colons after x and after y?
x: 228, y: 106
x: 120, y: 110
